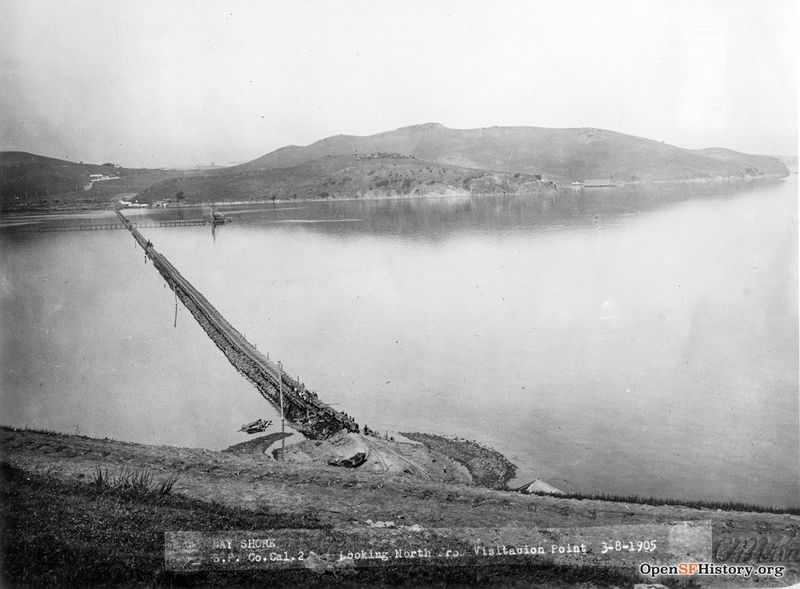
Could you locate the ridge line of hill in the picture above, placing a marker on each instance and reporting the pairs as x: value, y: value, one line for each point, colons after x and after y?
x: 417, y: 160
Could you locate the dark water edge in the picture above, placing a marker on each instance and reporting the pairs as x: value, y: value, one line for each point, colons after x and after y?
x: 417, y: 215
x: 440, y: 216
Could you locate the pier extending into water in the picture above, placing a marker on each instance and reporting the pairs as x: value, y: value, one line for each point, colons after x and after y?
x: 302, y: 408
x: 88, y: 226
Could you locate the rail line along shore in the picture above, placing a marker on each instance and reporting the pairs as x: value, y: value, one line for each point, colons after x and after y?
x: 302, y: 407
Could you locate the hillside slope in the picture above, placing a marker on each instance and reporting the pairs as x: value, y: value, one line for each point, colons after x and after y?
x: 27, y: 178
x: 422, y: 512
x: 430, y: 159
x: 375, y: 175
x: 561, y: 154
x: 790, y: 161
x: 27, y: 174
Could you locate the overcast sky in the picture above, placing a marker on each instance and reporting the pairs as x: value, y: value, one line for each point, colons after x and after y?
x: 177, y: 83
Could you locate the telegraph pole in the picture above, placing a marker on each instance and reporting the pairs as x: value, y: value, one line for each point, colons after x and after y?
x: 283, y: 421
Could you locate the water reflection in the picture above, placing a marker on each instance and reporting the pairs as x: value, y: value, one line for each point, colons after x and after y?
x: 419, y: 218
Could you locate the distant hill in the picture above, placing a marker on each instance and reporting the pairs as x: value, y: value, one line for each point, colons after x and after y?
x: 27, y: 174
x: 427, y: 159
x: 344, y: 176
x: 432, y: 159
x: 560, y: 154
x: 790, y: 161
x: 27, y: 178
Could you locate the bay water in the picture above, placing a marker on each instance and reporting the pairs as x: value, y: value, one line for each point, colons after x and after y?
x: 607, y: 342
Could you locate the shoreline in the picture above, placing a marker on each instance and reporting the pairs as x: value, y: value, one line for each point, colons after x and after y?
x: 488, y: 467
x: 490, y: 470
x: 111, y: 204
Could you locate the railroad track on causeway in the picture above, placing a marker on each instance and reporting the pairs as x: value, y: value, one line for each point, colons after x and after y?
x: 303, y: 409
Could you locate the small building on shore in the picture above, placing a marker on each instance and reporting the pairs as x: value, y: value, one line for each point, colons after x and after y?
x: 101, y: 177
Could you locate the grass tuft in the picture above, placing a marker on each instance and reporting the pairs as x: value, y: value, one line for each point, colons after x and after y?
x: 138, y: 481
x: 165, y: 487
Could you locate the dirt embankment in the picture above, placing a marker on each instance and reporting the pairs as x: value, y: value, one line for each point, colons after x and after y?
x: 488, y: 467
x: 380, y: 456
x: 424, y: 456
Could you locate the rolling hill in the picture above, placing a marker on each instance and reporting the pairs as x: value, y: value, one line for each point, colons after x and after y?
x: 433, y: 159
x: 25, y: 174
x: 373, y: 175
x: 560, y: 154
x: 26, y: 178
x: 421, y: 160
x: 790, y: 161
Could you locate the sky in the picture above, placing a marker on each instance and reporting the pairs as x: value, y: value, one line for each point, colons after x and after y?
x: 180, y: 83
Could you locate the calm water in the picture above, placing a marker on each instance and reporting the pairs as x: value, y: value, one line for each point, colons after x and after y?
x: 602, y: 345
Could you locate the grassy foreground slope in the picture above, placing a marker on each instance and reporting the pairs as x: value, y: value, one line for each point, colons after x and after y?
x: 69, y: 534
x: 62, y: 529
